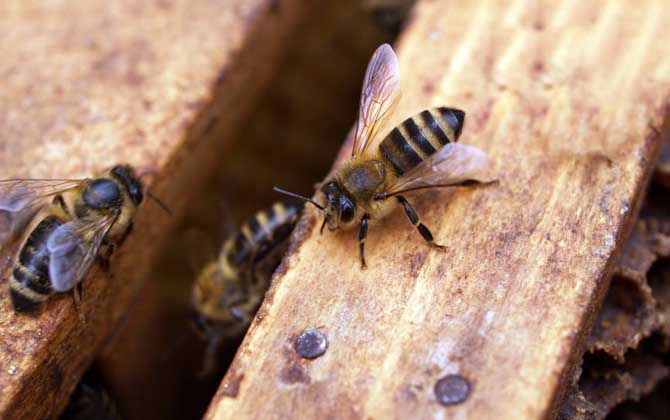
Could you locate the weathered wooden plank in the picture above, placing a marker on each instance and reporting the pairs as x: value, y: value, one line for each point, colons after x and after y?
x: 560, y: 95
x: 87, y: 84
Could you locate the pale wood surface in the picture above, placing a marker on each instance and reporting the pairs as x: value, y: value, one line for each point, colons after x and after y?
x: 88, y: 84
x: 560, y: 95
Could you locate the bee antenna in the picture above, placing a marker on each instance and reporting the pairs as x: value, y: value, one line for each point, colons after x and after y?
x: 301, y: 197
x: 159, y: 202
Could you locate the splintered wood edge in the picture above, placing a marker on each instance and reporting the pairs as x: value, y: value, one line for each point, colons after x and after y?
x: 529, y: 93
x: 42, y: 358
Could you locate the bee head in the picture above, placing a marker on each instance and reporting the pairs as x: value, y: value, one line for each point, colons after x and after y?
x: 126, y: 176
x: 339, y: 209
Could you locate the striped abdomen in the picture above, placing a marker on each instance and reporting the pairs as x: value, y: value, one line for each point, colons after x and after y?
x: 29, y: 283
x: 420, y: 136
x: 262, y: 233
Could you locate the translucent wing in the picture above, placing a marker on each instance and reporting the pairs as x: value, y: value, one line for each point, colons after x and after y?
x: 73, y: 248
x: 451, y: 165
x: 21, y: 199
x: 18, y: 194
x: 379, y: 94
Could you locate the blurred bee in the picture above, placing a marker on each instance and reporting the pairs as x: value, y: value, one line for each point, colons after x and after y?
x: 91, y: 401
x: 419, y: 153
x: 83, y: 216
x: 229, y: 290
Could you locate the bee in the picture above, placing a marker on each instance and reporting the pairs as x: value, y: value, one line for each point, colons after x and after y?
x: 422, y: 152
x: 229, y: 290
x: 84, y: 215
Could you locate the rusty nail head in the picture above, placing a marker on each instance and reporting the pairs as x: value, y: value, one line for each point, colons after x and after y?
x: 311, y: 344
x: 452, y: 389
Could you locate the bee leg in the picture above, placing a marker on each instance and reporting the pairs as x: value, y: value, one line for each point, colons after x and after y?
x: 414, y: 218
x: 76, y: 293
x: 362, y: 234
x: 239, y: 315
x: 103, y: 259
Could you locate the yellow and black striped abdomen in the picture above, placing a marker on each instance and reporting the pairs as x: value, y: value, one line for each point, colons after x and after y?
x: 30, y: 284
x: 260, y: 234
x: 420, y: 136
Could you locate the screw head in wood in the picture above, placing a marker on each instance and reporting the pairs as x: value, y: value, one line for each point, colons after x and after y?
x: 311, y: 344
x: 452, y: 389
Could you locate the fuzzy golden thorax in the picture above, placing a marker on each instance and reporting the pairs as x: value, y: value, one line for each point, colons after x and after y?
x: 354, y: 192
x: 116, y: 191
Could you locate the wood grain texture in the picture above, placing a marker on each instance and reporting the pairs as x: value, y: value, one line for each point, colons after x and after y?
x: 560, y: 94
x: 87, y: 84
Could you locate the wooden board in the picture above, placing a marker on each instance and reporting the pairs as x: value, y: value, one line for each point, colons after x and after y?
x: 88, y: 84
x: 560, y: 95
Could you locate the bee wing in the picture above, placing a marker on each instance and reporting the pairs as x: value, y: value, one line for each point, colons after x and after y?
x: 453, y: 164
x: 21, y: 199
x: 19, y: 194
x: 378, y: 95
x: 73, y: 247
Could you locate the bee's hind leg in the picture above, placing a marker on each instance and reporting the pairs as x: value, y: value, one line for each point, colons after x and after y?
x: 414, y: 218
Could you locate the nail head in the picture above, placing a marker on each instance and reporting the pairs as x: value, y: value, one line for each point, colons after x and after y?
x: 452, y: 389
x: 311, y: 344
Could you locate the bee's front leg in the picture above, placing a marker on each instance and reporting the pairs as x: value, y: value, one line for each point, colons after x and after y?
x: 362, y: 234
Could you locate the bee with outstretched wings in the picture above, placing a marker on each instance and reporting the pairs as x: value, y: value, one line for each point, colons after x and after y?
x: 421, y: 152
x: 81, y: 216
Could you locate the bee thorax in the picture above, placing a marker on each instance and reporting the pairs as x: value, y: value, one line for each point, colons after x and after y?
x: 364, y: 179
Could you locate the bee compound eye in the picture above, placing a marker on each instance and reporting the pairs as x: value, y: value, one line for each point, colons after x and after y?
x: 346, y: 210
x: 101, y: 194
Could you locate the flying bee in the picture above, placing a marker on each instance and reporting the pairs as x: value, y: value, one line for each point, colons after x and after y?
x: 419, y: 153
x: 230, y: 289
x: 83, y: 216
